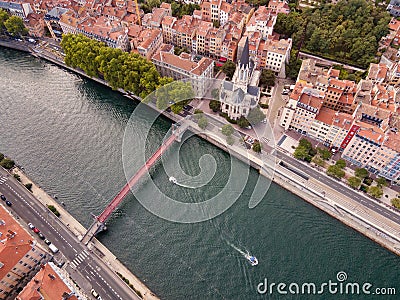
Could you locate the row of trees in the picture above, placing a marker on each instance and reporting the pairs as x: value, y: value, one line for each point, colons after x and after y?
x: 348, y: 31
x: 179, y: 9
x: 12, y: 24
x: 128, y: 71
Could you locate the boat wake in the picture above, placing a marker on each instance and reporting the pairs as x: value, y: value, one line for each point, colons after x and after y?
x: 252, y: 259
x: 174, y: 181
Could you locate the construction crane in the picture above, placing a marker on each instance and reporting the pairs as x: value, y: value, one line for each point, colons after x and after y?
x: 139, y: 20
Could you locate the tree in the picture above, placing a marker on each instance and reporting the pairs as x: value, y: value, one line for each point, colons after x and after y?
x: 230, y: 140
x: 267, y: 77
x: 1, y: 156
x: 229, y: 68
x: 395, y: 202
x: 304, y: 150
x: 361, y: 173
x: 15, y: 26
x: 325, y: 154
x: 375, y: 191
x: 243, y: 123
x: 335, y: 171
x: 227, y: 130
x: 28, y: 186
x: 318, y: 161
x: 3, y: 17
x: 215, y: 105
x: 257, y: 147
x: 354, y: 182
x: 255, y: 116
x: 203, y: 122
x: 7, y: 163
x: 301, y: 153
x: 381, y: 182
x: 341, y: 163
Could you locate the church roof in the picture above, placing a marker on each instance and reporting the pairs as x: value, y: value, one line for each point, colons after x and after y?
x: 253, y: 90
x: 237, y: 96
x: 245, y: 58
x: 227, y: 85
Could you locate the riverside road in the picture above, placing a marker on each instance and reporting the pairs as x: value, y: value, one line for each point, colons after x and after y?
x: 371, y: 204
x: 86, y: 269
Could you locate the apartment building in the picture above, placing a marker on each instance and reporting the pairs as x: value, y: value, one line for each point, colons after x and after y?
x: 182, y: 67
x: 50, y: 283
x: 147, y: 42
x: 20, y: 255
x: 262, y: 21
x: 275, y: 54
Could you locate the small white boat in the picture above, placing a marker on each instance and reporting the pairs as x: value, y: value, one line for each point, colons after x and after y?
x: 173, y: 180
x: 252, y: 259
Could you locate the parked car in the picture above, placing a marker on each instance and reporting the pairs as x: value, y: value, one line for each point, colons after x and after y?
x: 94, y: 293
x: 3, y: 197
x: 47, y: 242
x: 8, y: 203
x: 31, y: 226
x: 35, y: 230
x: 41, y: 235
x: 60, y: 264
x: 53, y: 248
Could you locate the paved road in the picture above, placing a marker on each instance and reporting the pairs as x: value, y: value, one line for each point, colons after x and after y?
x: 340, y: 188
x: 86, y: 264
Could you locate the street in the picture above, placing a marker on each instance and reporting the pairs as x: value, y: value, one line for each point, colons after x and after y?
x: 80, y: 262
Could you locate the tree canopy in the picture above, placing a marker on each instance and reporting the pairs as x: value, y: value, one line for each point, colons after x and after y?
x: 354, y: 182
x: 361, y: 173
x: 335, y: 171
x: 375, y: 191
x: 15, y: 26
x: 3, y: 17
x: 267, y: 77
x: 227, y: 129
x: 128, y: 71
x: 348, y: 31
x: 229, y: 69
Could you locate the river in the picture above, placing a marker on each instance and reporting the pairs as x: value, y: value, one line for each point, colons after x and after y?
x: 67, y: 133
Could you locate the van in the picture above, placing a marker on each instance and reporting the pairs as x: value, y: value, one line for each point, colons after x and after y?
x: 53, y: 248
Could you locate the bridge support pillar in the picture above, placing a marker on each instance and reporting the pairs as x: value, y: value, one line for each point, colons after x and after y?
x: 94, y: 229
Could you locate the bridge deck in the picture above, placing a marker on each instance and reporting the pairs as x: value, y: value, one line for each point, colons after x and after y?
x: 125, y: 190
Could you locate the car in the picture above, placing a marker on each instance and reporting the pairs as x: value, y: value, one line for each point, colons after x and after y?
x: 41, y: 235
x: 47, y: 242
x: 31, y: 226
x: 60, y: 264
x: 94, y: 293
x: 8, y: 203
x: 3, y: 197
x: 35, y: 230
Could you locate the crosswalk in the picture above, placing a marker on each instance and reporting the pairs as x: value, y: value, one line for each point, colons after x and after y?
x: 79, y: 258
x: 3, y: 179
x: 264, y: 139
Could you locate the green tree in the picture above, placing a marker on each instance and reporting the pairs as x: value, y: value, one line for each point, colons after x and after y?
x: 301, y: 153
x: 28, y: 186
x: 230, y: 140
x: 215, y: 105
x: 267, y: 77
x: 341, y: 163
x: 381, y: 182
x: 203, y: 122
x: 227, y: 129
x: 375, y: 191
x: 318, y: 161
x: 325, y: 154
x: 1, y: 156
x: 255, y: 116
x: 335, y: 171
x: 354, y: 182
x: 361, y: 173
x: 396, y: 202
x: 257, y: 147
x: 304, y: 150
x: 7, y: 163
x: 229, y: 69
x: 243, y: 122
x: 15, y: 26
x: 3, y: 18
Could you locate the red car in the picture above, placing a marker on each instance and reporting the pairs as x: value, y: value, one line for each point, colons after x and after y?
x: 35, y: 230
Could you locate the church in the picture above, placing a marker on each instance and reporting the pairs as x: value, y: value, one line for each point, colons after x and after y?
x: 242, y: 94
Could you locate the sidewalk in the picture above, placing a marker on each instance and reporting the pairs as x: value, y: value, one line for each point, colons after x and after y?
x: 78, y: 230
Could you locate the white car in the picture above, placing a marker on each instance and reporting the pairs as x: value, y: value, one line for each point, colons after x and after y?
x: 31, y: 226
x: 95, y: 294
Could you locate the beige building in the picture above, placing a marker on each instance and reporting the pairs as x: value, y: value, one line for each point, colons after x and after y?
x: 181, y: 67
x: 20, y: 255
